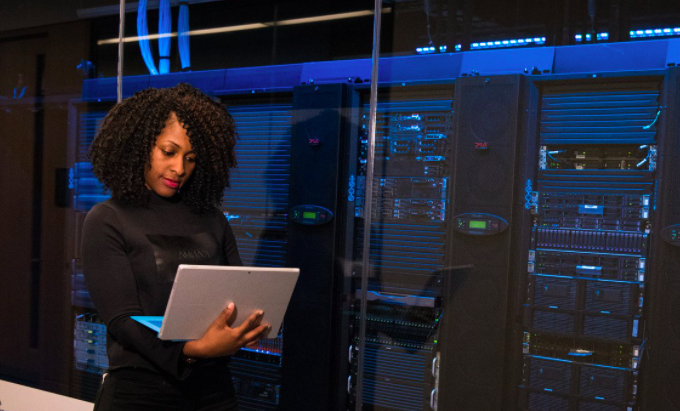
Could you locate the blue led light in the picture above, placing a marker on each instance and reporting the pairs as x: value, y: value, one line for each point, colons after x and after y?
x: 426, y: 50
x: 432, y: 49
x: 507, y: 43
x: 572, y: 362
x: 602, y: 280
x: 588, y: 37
x: 665, y: 32
x: 261, y: 351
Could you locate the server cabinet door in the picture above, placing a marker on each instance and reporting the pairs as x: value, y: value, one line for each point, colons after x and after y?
x: 475, y: 323
x: 660, y: 352
x: 314, y: 242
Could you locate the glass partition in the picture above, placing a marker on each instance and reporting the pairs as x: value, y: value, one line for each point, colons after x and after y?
x: 483, y: 177
x: 468, y: 189
x: 285, y: 72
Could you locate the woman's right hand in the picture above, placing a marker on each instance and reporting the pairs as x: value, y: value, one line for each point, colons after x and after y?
x: 221, y: 340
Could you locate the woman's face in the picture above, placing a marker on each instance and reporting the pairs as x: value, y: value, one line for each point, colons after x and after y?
x: 172, y: 160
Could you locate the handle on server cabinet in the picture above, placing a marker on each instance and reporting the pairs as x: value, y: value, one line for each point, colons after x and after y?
x: 432, y: 394
x: 351, y: 347
x: 434, y: 366
x: 349, y: 384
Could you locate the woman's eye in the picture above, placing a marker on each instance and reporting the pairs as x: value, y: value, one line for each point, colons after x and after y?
x: 191, y: 159
x: 167, y: 153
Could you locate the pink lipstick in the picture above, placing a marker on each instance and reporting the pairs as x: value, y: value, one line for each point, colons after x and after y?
x: 170, y: 183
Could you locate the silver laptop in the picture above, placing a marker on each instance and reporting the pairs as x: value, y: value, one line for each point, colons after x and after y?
x: 201, y: 292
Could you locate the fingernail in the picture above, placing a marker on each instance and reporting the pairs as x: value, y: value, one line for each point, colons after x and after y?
x: 230, y: 306
x: 259, y: 313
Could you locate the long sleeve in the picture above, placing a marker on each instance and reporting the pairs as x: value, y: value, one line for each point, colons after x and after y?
x: 114, y: 290
x: 231, y: 253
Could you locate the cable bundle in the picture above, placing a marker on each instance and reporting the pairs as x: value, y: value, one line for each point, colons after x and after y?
x: 143, y: 34
x: 164, y: 28
x: 183, y: 29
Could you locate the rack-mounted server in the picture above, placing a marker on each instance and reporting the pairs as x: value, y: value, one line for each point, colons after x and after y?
x: 413, y: 146
x: 587, y: 264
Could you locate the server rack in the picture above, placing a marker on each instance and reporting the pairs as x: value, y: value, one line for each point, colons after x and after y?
x: 409, y: 213
x: 256, y: 205
x: 592, y: 207
x: 89, y: 333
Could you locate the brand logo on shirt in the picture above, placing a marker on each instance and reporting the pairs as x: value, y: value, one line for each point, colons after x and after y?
x: 170, y: 251
x: 193, y: 254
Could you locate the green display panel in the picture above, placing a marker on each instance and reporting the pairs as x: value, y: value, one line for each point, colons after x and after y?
x: 477, y: 224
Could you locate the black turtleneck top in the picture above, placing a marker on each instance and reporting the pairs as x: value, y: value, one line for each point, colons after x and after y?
x: 130, y: 258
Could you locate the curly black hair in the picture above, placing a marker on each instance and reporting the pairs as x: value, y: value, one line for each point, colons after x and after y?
x: 121, y: 150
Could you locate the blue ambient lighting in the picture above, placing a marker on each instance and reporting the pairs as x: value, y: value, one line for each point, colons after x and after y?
x: 572, y: 277
x: 425, y: 50
x: 261, y: 351
x: 674, y: 31
x: 432, y: 49
x: 508, y: 43
x: 572, y: 362
x: 588, y: 37
x: 580, y: 354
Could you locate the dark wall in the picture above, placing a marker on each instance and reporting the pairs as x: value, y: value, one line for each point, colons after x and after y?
x: 33, y: 13
x: 35, y: 325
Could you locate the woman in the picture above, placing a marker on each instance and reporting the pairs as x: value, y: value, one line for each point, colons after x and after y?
x: 165, y: 155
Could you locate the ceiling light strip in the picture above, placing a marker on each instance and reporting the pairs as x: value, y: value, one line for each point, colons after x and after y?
x: 253, y: 26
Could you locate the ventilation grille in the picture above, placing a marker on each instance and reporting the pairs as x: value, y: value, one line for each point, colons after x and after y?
x: 257, y: 201
x: 605, y: 327
x: 550, y: 375
x: 562, y: 323
x: 88, y: 125
x: 609, y: 297
x: 87, y: 189
x: 544, y: 402
x: 555, y: 292
x: 599, y: 116
x: 603, y: 383
x: 394, y: 396
x: 395, y: 364
x: 416, y: 249
x: 595, y: 406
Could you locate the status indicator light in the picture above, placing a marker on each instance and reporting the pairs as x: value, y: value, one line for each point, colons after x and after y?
x: 477, y: 224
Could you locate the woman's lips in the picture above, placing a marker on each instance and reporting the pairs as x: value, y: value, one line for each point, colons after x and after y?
x: 170, y: 183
